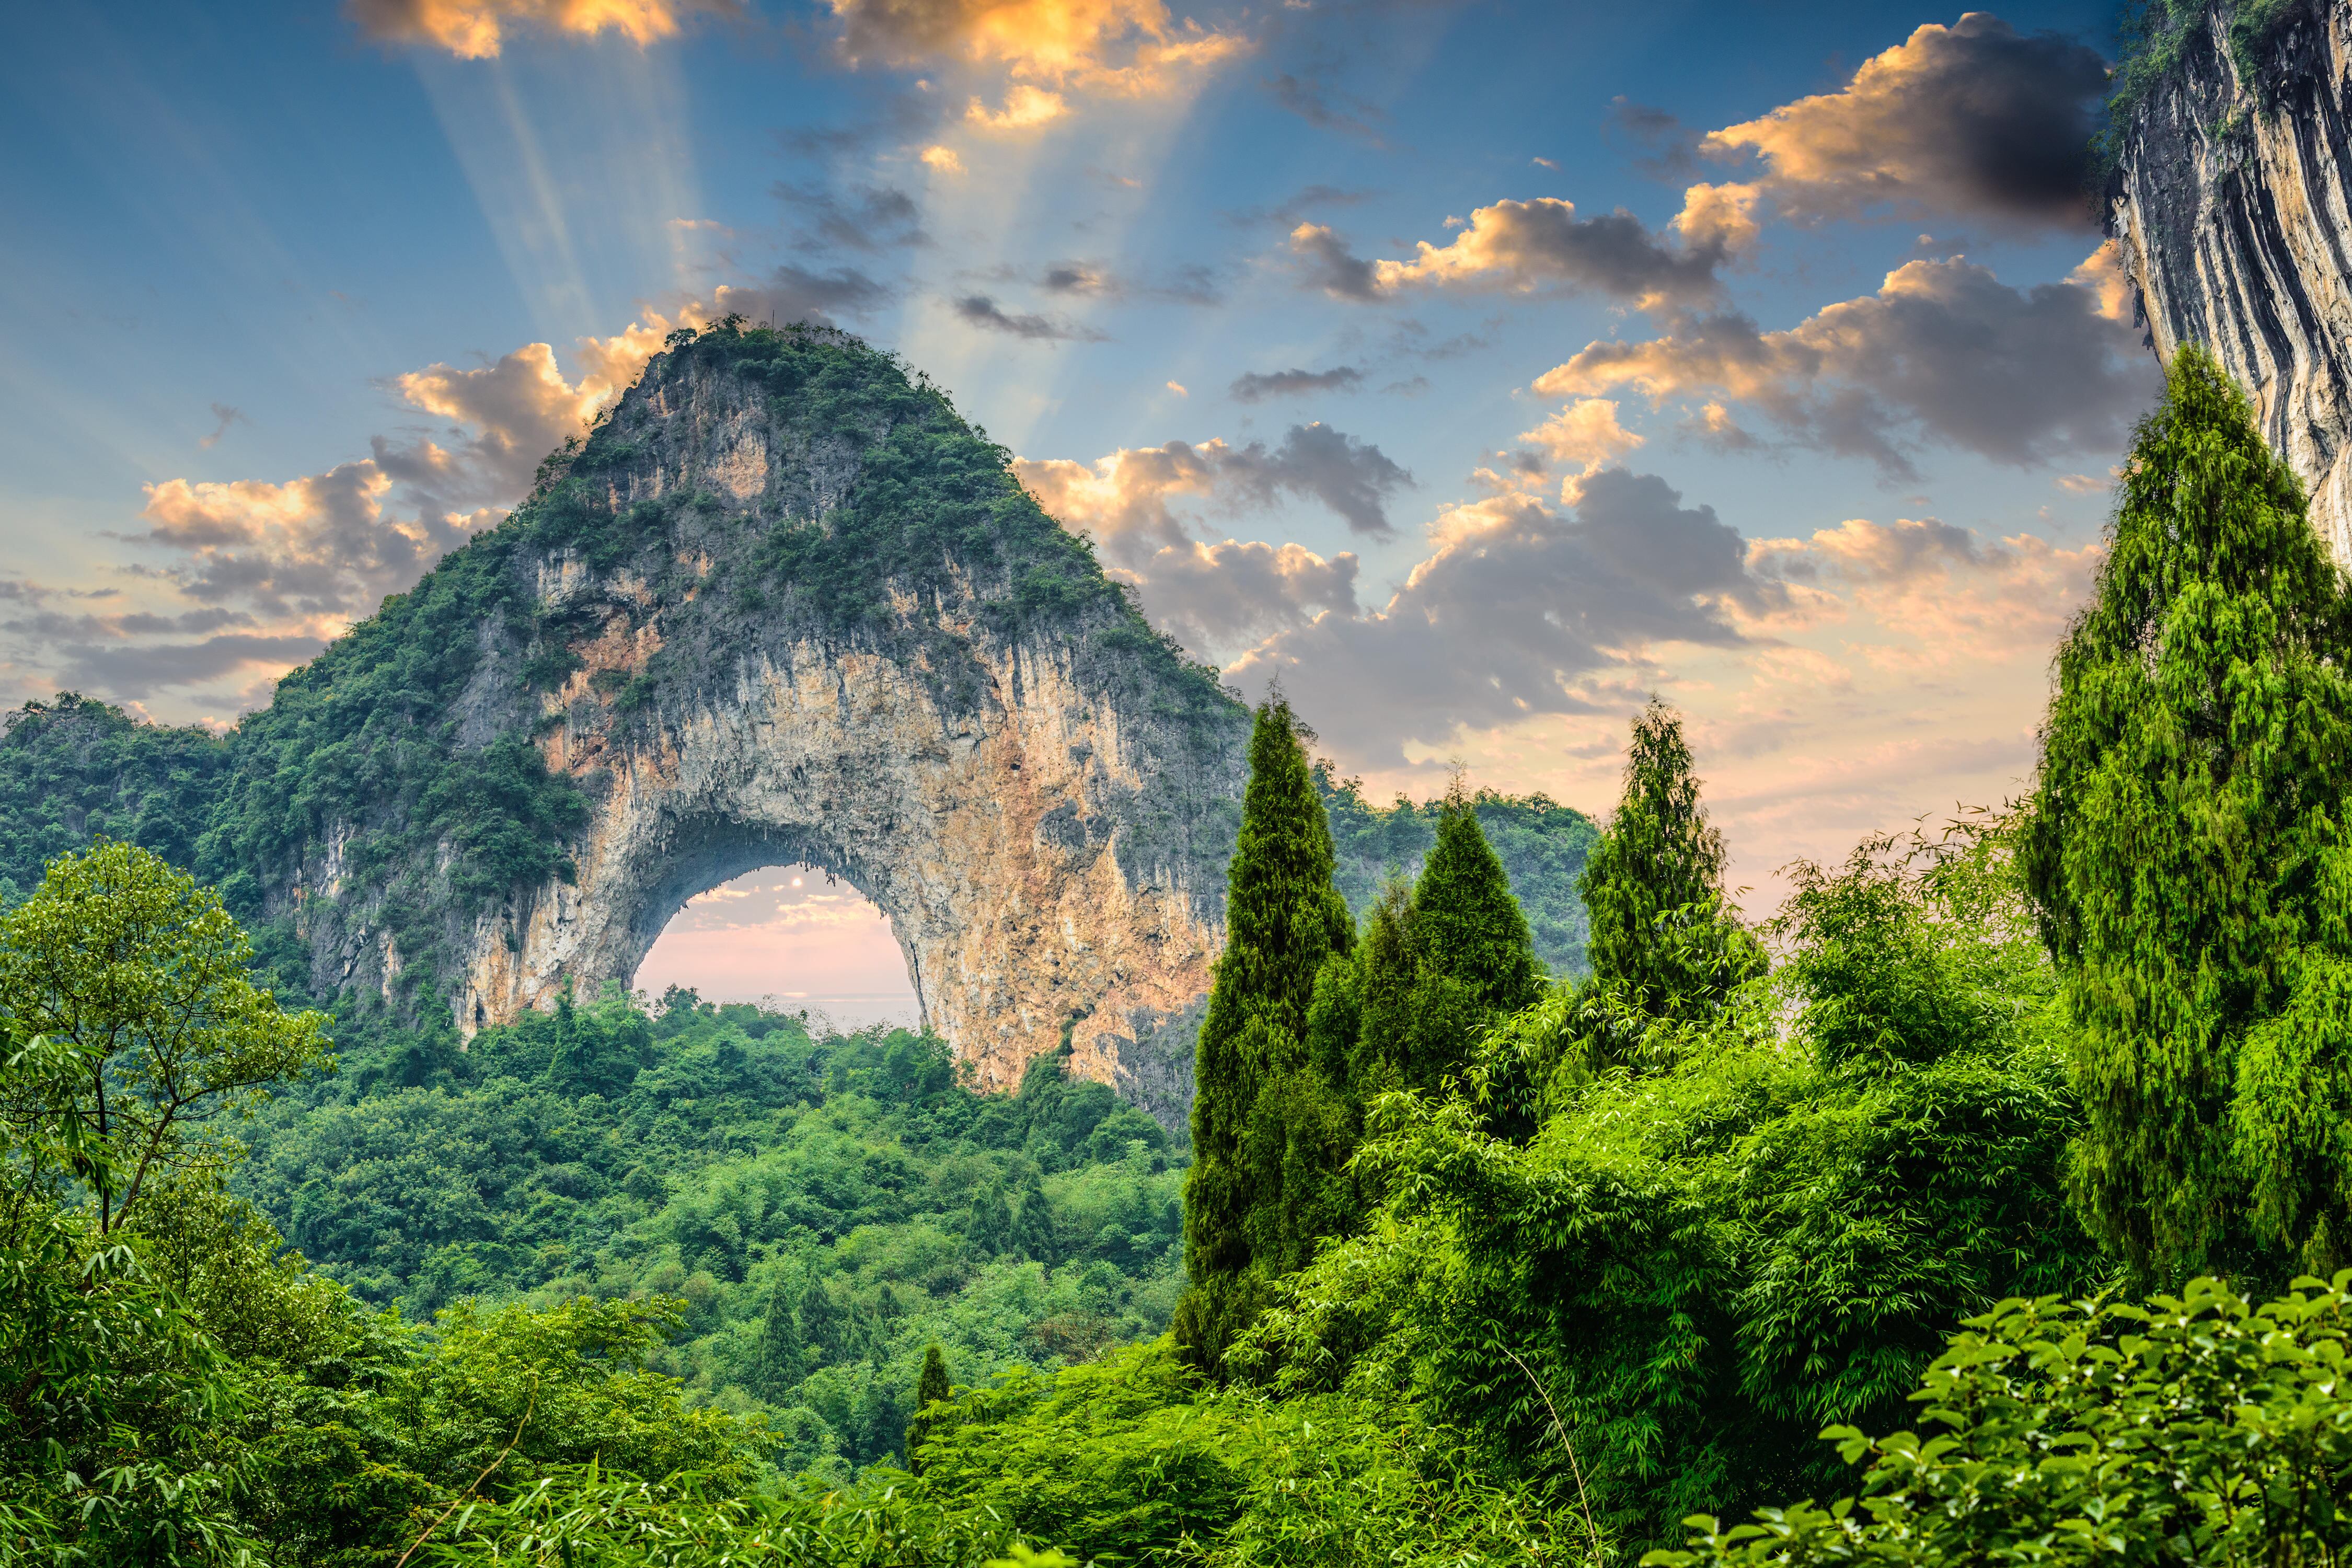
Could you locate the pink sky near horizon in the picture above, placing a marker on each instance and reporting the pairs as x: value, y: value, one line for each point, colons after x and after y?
x: 785, y: 937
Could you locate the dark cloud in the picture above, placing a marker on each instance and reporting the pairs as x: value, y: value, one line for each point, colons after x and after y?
x: 904, y: 116
x: 1287, y: 214
x: 1943, y: 353
x: 871, y: 218
x: 1353, y: 477
x: 980, y: 310
x: 802, y: 294
x: 1190, y: 285
x: 1257, y: 387
x: 1525, y: 245
x: 1310, y: 98
x: 1325, y: 263
x: 1976, y: 118
x: 227, y: 416
x: 1516, y: 606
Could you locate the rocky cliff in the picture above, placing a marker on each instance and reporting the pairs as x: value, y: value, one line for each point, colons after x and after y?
x: 2231, y: 204
x: 781, y: 606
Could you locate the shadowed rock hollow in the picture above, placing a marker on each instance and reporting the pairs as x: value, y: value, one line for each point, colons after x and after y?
x: 782, y: 605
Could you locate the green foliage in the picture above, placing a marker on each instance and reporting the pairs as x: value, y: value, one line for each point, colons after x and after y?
x: 2157, y: 36
x: 2198, y: 1428
x: 1652, y: 887
x: 1283, y: 918
x: 932, y: 1388
x: 1702, y: 1256
x: 1470, y: 957
x: 72, y: 771
x: 145, y: 979
x: 1542, y: 845
x: 1132, y: 1459
x: 2187, y: 854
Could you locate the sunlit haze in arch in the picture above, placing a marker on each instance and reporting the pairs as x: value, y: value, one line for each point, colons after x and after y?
x: 790, y: 937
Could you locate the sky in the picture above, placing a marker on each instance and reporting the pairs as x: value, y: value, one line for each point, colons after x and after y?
x: 1476, y: 368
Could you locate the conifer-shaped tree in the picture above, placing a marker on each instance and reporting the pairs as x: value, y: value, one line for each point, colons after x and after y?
x: 1034, y: 1233
x: 1474, y: 956
x: 988, y: 1226
x: 782, y: 1358
x: 1652, y: 887
x: 2185, y: 850
x: 824, y: 1326
x: 1283, y: 918
x: 1390, y: 963
x: 931, y: 1387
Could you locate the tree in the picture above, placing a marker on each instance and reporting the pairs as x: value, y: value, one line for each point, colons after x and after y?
x: 1472, y: 958
x: 782, y: 1359
x: 146, y: 978
x: 1033, y: 1233
x: 1283, y: 918
x: 1652, y: 887
x: 989, y: 1227
x: 2185, y: 849
x: 823, y: 1325
x: 931, y: 1387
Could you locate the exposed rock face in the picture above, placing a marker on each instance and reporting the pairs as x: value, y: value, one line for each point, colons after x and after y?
x: 2232, y: 207
x: 741, y: 629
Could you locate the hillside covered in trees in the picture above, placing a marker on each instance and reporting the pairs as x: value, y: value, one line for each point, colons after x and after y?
x: 1985, y: 1205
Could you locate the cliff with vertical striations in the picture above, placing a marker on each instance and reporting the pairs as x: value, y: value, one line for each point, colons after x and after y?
x: 2231, y: 202
x: 784, y: 605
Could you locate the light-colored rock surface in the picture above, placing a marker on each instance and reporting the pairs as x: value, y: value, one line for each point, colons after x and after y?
x: 1043, y: 817
x: 2236, y: 224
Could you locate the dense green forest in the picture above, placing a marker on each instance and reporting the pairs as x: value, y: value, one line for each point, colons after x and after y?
x: 1985, y: 1205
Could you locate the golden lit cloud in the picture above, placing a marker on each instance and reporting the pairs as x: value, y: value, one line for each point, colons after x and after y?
x: 479, y: 29
x: 1025, y: 108
x: 1125, y: 48
x: 943, y: 160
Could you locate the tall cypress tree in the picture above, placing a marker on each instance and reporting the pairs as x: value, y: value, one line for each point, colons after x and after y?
x: 1474, y: 957
x: 1283, y: 918
x: 1390, y: 965
x: 931, y: 1387
x: 2185, y: 851
x: 1653, y: 887
x: 781, y: 1358
x: 823, y: 1325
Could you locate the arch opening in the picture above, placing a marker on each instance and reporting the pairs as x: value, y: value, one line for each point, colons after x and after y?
x: 791, y: 937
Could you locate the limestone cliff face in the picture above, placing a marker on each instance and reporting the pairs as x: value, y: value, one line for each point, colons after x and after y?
x: 773, y: 616
x: 2231, y: 206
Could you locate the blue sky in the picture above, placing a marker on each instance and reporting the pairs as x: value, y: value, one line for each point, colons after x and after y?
x: 1801, y: 412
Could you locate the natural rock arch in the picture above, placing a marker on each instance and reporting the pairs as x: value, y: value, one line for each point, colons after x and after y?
x: 781, y: 605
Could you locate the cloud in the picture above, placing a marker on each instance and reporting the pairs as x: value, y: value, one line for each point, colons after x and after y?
x: 1943, y: 351
x: 1310, y: 100
x: 1123, y: 49
x: 243, y: 578
x: 1585, y: 434
x: 479, y: 29
x: 1514, y: 611
x: 945, y: 160
x: 1190, y: 285
x: 1178, y: 388
x: 1522, y: 247
x: 870, y: 218
x: 1932, y: 594
x: 1216, y: 597
x: 1256, y: 386
x: 1330, y: 266
x: 1025, y: 108
x: 980, y: 310
x: 1974, y: 119
x: 1123, y: 499
x: 228, y: 415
